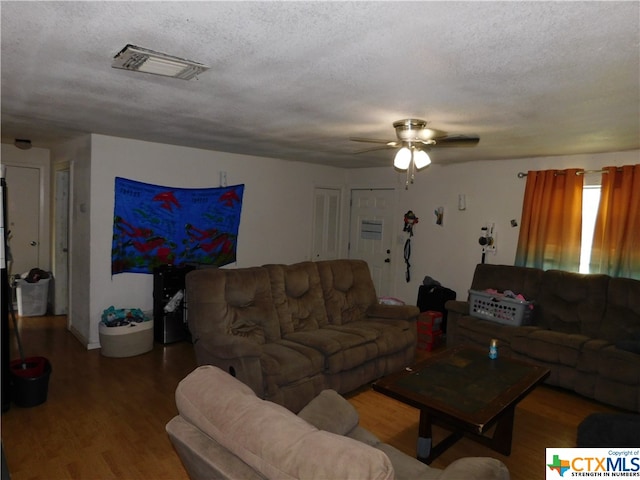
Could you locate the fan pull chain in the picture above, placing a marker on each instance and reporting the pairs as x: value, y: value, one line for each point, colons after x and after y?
x: 411, y: 172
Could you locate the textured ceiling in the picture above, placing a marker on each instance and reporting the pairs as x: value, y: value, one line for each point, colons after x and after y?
x: 295, y: 80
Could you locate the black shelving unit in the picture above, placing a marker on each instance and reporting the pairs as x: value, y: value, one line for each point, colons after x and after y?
x: 169, y: 327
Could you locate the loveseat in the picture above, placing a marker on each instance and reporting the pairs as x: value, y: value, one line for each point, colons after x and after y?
x: 223, y: 431
x: 584, y: 328
x: 291, y: 331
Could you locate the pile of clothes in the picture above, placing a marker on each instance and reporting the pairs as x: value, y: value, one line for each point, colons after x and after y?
x: 32, y: 276
x: 121, y: 317
x: 507, y: 294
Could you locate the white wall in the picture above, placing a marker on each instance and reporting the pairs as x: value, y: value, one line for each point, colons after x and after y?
x: 275, y: 223
x: 493, y: 192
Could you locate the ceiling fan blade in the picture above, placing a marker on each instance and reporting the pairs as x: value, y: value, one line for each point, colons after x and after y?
x: 427, y: 134
x: 373, y: 149
x: 388, y: 143
x: 457, y: 141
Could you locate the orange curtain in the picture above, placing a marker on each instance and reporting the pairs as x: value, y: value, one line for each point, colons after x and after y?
x: 616, y: 238
x: 551, y: 222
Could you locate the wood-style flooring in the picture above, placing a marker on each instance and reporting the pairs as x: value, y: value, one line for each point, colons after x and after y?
x: 104, y: 417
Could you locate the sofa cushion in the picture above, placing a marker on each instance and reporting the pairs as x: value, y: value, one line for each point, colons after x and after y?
x: 590, y: 355
x: 550, y: 346
x: 618, y: 394
x: 342, y: 350
x: 390, y: 335
x: 619, y: 365
x: 348, y: 289
x: 572, y: 302
x: 270, y: 438
x: 298, y: 297
x: 621, y: 320
x: 480, y: 332
x: 284, y: 362
x: 329, y: 341
x: 239, y: 299
x: 393, y: 312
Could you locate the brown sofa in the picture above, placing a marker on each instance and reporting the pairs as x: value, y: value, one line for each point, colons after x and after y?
x: 584, y: 328
x: 223, y: 431
x: 291, y: 331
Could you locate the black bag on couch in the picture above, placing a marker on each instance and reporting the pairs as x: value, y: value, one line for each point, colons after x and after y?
x: 433, y: 297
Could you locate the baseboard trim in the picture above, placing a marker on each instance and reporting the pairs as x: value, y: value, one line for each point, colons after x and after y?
x: 81, y: 338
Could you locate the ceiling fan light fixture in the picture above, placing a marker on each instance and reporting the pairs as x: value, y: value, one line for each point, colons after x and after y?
x: 140, y: 59
x: 402, y: 159
x: 409, y: 129
x: 421, y: 159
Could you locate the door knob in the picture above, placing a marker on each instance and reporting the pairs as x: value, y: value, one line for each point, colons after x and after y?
x: 387, y: 260
x: 33, y: 243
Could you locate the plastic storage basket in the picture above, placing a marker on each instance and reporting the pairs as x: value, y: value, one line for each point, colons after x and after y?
x: 501, y: 309
x: 129, y: 340
x: 32, y: 297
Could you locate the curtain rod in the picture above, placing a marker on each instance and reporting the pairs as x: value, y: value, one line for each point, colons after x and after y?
x: 581, y: 172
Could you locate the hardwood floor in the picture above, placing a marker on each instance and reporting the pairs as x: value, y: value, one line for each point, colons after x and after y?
x: 104, y: 417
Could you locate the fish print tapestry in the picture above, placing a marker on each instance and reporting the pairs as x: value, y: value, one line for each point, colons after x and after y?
x: 155, y: 225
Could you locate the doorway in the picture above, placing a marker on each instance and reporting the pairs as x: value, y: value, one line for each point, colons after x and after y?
x: 370, y: 234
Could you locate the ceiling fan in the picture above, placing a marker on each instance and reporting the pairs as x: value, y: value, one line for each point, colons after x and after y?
x: 414, y: 140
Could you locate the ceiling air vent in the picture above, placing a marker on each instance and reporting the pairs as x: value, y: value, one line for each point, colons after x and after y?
x: 140, y: 59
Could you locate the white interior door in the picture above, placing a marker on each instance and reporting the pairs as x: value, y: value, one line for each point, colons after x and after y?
x: 370, y: 234
x: 326, y: 223
x: 23, y: 217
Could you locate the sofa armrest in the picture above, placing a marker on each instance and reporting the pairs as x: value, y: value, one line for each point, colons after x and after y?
x: 203, y: 457
x: 401, y: 312
x: 478, y: 468
x: 235, y: 355
x: 457, y: 306
x: 330, y: 412
x: 455, y: 310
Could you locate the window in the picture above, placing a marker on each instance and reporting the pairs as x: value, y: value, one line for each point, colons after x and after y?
x: 579, y: 222
x: 590, y: 201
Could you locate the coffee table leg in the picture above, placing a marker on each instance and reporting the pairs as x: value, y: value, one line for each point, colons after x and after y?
x: 502, y: 436
x: 504, y: 433
x: 427, y: 450
x: 424, y: 438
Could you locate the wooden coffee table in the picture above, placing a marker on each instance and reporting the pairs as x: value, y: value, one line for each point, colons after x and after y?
x: 465, y: 391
